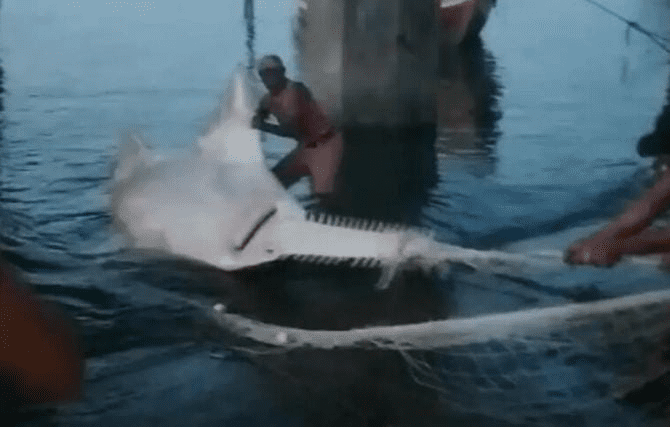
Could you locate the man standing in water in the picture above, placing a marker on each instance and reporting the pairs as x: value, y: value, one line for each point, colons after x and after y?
x: 319, y: 150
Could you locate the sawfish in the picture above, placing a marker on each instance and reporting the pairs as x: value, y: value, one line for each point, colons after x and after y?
x: 220, y: 204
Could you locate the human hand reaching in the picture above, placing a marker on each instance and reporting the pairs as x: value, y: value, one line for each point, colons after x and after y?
x: 600, y: 252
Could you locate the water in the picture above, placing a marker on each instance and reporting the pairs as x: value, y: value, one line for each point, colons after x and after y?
x: 573, y: 97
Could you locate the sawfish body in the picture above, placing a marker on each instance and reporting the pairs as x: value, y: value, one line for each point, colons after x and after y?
x: 220, y: 204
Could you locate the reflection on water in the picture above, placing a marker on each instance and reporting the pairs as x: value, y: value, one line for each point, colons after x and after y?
x: 386, y: 173
x: 467, y: 104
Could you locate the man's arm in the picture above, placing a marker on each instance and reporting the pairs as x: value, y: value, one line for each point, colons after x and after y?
x: 647, y: 242
x: 261, y: 114
x: 259, y: 121
x: 640, y: 215
x: 625, y: 234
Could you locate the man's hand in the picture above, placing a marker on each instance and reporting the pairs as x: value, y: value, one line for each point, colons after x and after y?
x: 600, y: 252
x: 257, y: 122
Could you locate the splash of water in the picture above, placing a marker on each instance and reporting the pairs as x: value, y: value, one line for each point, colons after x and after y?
x: 197, y: 205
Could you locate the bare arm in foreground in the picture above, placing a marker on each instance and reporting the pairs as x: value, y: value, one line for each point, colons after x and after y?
x: 628, y: 234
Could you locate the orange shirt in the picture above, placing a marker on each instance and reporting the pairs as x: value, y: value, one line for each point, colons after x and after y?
x: 298, y: 112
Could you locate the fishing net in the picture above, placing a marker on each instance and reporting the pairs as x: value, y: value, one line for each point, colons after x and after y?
x: 521, y: 366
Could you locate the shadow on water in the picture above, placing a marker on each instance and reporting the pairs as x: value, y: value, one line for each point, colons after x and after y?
x: 388, y: 173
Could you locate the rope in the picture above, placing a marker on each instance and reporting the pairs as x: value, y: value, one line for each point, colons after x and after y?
x: 251, y: 31
x: 657, y: 39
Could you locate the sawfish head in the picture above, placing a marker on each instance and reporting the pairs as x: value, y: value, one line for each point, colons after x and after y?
x: 205, y: 203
